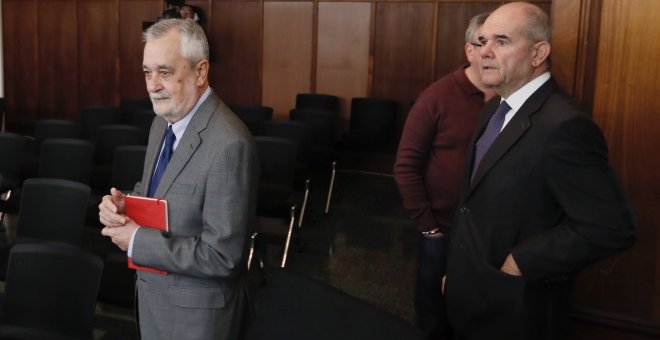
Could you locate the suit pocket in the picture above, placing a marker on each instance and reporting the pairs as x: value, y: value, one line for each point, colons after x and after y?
x: 478, y: 293
x: 189, y: 297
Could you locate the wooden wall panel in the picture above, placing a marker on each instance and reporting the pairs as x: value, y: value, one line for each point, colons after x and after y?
x: 626, y: 108
x: 287, y: 54
x: 20, y: 63
x: 566, y: 23
x: 403, y: 41
x: 343, y: 52
x: 235, y: 36
x: 204, y: 12
x: 453, y: 19
x: 57, y: 57
x: 98, y: 52
x: 131, y: 16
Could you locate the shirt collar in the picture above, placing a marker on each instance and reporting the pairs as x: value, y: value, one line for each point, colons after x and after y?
x: 518, y: 98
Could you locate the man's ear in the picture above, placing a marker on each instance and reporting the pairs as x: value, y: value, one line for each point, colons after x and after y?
x: 541, y: 53
x: 468, y: 52
x: 202, y: 72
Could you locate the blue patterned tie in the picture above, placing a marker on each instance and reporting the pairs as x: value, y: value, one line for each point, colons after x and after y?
x: 490, y: 134
x: 163, y: 160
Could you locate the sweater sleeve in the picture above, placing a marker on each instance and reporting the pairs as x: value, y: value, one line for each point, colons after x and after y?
x: 411, y: 160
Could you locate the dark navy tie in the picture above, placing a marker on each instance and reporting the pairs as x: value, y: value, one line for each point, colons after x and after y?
x: 488, y: 137
x: 163, y: 160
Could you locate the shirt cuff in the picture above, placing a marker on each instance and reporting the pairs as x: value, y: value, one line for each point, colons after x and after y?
x: 130, y: 243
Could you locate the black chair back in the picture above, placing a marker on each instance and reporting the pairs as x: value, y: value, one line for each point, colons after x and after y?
x: 253, y: 115
x: 277, y: 157
x: 55, y: 128
x: 66, y: 158
x: 372, y: 121
x: 127, y: 166
x: 11, y: 155
x: 92, y: 117
x: 53, y: 210
x: 317, y: 101
x: 50, y: 292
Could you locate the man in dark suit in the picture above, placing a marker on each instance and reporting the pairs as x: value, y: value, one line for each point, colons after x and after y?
x: 539, y: 200
x: 209, y: 182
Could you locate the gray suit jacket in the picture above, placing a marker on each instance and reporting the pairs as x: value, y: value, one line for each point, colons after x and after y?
x: 210, y: 185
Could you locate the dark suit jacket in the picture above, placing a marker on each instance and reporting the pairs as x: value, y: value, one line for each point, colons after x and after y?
x: 545, y: 193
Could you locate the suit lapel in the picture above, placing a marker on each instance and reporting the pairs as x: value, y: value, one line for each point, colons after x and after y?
x: 188, y: 145
x: 510, y: 134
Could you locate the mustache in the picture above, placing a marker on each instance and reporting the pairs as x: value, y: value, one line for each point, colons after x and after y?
x: 155, y: 96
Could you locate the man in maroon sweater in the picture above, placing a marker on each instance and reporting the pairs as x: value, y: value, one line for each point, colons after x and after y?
x: 429, y: 168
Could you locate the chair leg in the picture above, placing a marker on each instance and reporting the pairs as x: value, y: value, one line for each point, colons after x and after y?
x: 331, y: 187
x: 251, y: 250
x: 288, y: 236
x: 304, y: 204
x: 2, y: 213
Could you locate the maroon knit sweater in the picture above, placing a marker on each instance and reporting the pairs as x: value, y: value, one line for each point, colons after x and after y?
x: 431, y: 156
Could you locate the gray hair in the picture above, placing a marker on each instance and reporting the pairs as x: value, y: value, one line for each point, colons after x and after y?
x: 476, y: 22
x: 538, y: 26
x: 194, y: 45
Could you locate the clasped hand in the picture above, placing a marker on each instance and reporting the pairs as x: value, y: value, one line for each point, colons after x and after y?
x: 118, y: 226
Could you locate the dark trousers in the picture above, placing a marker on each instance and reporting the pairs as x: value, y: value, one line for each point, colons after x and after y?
x: 429, y: 301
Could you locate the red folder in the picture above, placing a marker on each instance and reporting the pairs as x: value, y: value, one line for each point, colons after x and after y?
x: 150, y: 213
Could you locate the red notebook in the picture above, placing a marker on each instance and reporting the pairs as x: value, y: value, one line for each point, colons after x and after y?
x: 150, y: 213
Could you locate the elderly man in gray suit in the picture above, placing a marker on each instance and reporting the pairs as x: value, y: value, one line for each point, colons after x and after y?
x: 203, y: 161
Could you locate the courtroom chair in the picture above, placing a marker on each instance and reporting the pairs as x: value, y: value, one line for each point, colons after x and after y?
x: 296, y: 131
x: 51, y: 210
x: 55, y: 128
x: 371, y: 123
x: 66, y: 158
x: 278, y: 155
x: 46, y: 129
x: 143, y: 119
x: 11, y: 152
x: 110, y: 137
x: 297, y: 307
x: 317, y: 101
x: 272, y: 230
x: 50, y: 292
x: 93, y: 117
x: 129, y: 106
x: 127, y: 166
x: 322, y: 154
x: 253, y: 115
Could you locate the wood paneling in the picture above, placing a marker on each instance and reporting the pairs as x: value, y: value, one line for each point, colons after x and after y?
x: 626, y: 108
x: 566, y: 22
x: 20, y: 63
x: 287, y: 54
x: 131, y: 16
x: 343, y: 52
x: 57, y: 57
x: 98, y: 52
x: 235, y: 43
x: 403, y: 41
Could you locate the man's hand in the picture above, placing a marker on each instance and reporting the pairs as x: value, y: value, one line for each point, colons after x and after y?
x: 111, y: 209
x: 121, y: 236
x: 510, y: 267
